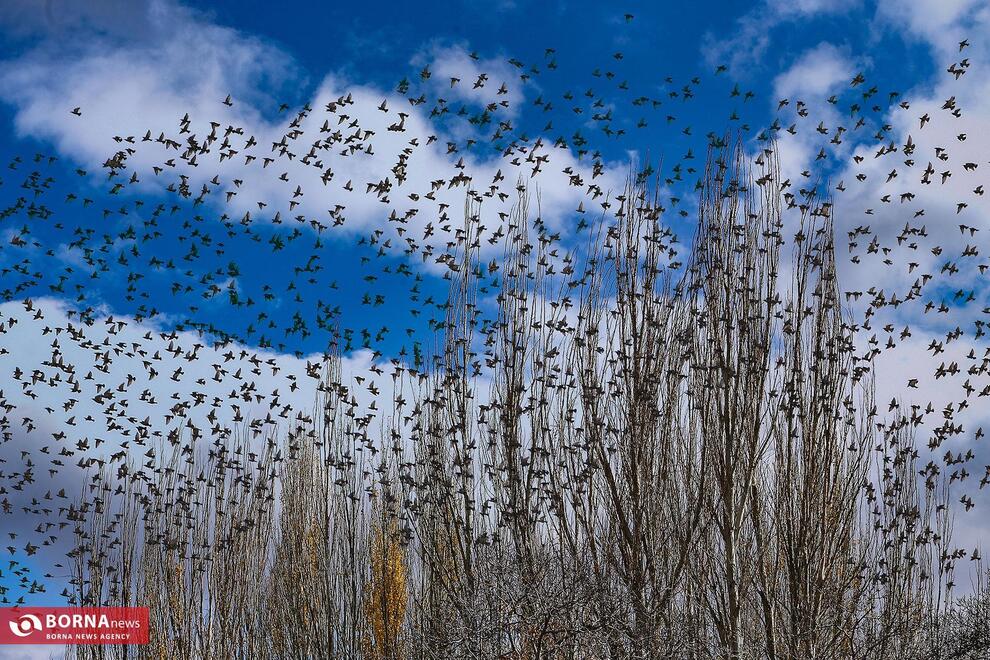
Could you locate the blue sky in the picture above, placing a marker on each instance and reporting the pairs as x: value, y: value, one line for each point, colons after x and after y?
x: 375, y: 46
x: 133, y: 67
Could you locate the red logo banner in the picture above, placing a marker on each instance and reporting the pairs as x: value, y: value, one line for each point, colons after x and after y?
x: 74, y: 625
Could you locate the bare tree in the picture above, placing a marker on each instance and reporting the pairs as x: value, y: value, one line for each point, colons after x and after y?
x: 633, y: 448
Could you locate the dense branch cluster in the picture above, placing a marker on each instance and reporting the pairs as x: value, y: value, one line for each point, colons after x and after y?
x: 644, y: 454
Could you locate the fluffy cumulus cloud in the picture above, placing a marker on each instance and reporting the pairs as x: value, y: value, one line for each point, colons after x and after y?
x: 371, y: 157
x: 815, y: 73
x: 809, y: 81
x: 934, y: 176
x: 910, y: 218
x: 940, y: 23
x: 178, y: 64
x: 456, y: 73
x: 928, y: 229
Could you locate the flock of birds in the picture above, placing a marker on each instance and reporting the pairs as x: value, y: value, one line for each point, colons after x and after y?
x: 207, y: 247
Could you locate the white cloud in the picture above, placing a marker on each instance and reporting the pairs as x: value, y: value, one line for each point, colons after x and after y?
x: 810, y: 7
x: 190, y: 66
x: 893, y: 195
x: 942, y: 23
x: 876, y: 201
x: 815, y: 73
x: 478, y: 80
x: 749, y: 37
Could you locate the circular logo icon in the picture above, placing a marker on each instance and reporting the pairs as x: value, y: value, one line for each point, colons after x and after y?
x: 25, y: 625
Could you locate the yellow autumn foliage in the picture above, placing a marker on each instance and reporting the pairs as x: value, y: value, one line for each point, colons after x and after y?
x: 385, y: 595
